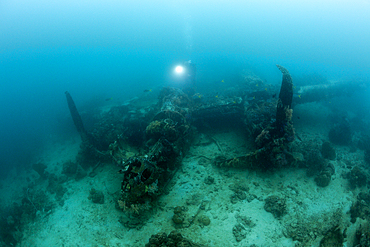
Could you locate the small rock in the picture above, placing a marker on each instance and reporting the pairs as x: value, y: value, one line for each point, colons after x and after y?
x: 209, y: 180
x: 96, y: 196
x: 205, y: 220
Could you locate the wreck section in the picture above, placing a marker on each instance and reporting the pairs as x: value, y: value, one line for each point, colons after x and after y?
x: 148, y: 144
x: 166, y: 139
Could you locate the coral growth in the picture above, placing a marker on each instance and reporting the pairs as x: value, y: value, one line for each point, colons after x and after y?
x: 243, y: 227
x: 361, y: 207
x: 263, y: 138
x: 333, y: 238
x: 362, y: 237
x: 15, y: 218
x: 324, y: 177
x: 155, y: 129
x: 276, y: 206
x: 96, y: 196
x: 174, y: 239
x: 356, y: 177
x: 288, y: 114
x: 315, y: 163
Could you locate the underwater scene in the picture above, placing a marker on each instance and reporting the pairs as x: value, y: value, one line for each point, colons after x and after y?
x: 185, y: 123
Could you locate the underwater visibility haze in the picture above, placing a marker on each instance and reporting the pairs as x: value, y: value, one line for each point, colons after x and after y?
x: 109, y: 53
x: 119, y: 48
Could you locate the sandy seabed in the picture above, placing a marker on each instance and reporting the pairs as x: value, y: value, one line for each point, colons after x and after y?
x: 310, y: 209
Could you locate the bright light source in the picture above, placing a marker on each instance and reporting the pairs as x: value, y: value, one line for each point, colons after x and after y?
x: 179, y: 69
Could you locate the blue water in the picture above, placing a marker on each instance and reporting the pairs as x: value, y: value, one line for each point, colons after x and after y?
x: 117, y: 49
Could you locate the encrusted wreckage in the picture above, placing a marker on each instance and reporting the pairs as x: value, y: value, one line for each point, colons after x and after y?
x: 272, y: 135
x: 149, y: 144
x: 167, y: 138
